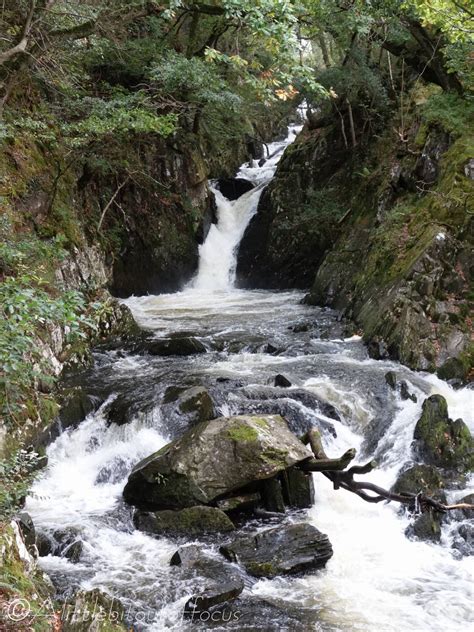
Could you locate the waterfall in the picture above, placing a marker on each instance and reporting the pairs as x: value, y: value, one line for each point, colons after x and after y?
x: 218, y: 254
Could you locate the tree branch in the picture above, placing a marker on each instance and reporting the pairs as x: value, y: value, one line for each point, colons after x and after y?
x: 345, y: 479
x: 23, y: 43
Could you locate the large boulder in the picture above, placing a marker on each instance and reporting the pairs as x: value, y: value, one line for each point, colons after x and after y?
x: 286, y: 549
x: 190, y: 521
x: 421, y: 478
x: 213, y: 459
x: 440, y: 440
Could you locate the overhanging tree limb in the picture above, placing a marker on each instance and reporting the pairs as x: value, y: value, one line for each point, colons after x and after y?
x: 344, y: 479
x: 25, y: 35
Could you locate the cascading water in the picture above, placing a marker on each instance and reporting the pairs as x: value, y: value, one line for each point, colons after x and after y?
x: 217, y: 255
x: 377, y: 580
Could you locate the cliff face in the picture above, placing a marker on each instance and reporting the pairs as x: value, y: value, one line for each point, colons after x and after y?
x: 388, y: 230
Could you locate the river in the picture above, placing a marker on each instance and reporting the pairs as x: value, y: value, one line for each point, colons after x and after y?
x: 378, y: 580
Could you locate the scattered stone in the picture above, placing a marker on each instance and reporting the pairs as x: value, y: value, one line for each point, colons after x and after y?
x: 441, y: 441
x: 302, y: 327
x: 281, y: 380
x: 214, y: 459
x: 191, y: 521
x: 269, y: 348
x: 68, y: 543
x: 286, y: 549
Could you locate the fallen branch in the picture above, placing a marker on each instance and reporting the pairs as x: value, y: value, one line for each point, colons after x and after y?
x: 110, y: 202
x: 334, y: 470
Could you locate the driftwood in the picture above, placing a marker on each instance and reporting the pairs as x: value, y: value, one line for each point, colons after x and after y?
x: 334, y: 470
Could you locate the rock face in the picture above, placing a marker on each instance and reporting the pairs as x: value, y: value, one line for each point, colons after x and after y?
x: 191, y: 521
x: 213, y: 459
x: 284, y: 550
x: 233, y: 188
x: 441, y: 441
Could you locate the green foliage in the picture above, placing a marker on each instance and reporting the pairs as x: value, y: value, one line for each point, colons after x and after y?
x: 451, y: 112
x: 16, y: 474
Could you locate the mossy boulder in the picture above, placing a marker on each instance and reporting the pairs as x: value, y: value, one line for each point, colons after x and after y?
x: 441, y: 441
x: 421, y: 478
x: 214, y: 459
x: 190, y: 521
x: 284, y: 550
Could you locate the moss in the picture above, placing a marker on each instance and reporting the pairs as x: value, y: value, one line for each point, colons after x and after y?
x: 261, y: 569
x: 18, y: 582
x: 242, y: 432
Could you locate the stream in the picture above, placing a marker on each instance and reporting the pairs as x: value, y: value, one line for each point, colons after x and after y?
x: 378, y: 580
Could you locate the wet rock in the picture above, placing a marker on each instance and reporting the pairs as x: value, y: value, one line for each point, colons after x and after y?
x: 452, y: 369
x: 221, y: 581
x: 120, y: 411
x: 191, y: 521
x: 73, y: 551
x: 281, y: 380
x: 298, y: 488
x: 213, y: 459
x: 427, y: 527
x: 421, y: 478
x: 112, y: 472
x: 272, y: 495
x: 269, y: 348
x: 405, y: 392
x: 171, y: 346
x: 197, y: 402
x: 243, y: 502
x: 301, y: 327
x: 286, y: 549
x: 68, y: 543
x: 463, y: 539
x: 216, y: 594
x: 377, y: 349
x: 391, y: 379
x: 44, y: 543
x: 441, y: 441
x: 93, y: 611
x: 27, y: 529
x: 233, y: 188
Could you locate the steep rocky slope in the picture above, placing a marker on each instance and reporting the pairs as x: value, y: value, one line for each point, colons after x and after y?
x: 387, y: 228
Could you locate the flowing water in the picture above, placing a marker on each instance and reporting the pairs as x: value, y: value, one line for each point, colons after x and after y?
x: 377, y: 580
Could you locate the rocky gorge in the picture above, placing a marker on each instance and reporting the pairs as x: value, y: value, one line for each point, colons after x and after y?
x: 235, y: 317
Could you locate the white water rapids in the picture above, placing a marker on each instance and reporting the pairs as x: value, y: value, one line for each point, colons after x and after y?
x: 377, y: 580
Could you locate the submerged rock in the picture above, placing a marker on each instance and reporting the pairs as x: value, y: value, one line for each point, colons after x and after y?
x: 281, y: 380
x: 441, y: 441
x: 190, y: 521
x: 286, y: 549
x: 213, y: 459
